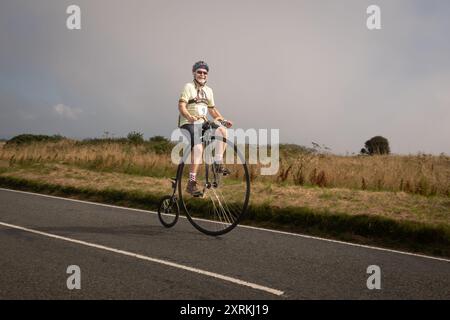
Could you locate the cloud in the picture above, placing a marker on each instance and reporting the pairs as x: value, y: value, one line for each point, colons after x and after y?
x: 67, y: 112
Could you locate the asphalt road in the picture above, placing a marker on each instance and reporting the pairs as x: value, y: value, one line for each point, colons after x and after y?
x: 127, y: 254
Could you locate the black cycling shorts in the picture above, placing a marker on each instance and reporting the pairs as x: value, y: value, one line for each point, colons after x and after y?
x: 192, y: 132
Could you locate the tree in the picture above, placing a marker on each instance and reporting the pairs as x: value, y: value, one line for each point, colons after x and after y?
x: 135, y: 137
x: 377, y: 145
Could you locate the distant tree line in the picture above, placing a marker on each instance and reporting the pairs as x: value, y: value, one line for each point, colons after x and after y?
x: 160, y: 144
x: 30, y: 138
x: 157, y: 144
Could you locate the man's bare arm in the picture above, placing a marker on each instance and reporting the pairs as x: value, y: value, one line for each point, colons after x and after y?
x: 215, y: 113
x: 217, y: 116
x: 184, y: 112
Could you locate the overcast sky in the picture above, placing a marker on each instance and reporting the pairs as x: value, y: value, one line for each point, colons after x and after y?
x: 309, y: 68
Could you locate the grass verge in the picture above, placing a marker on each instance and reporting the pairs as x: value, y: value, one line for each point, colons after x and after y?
x: 362, y: 229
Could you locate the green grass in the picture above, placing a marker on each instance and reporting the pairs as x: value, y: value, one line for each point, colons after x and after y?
x: 112, y: 196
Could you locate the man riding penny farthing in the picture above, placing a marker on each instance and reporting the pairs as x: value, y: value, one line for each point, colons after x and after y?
x: 213, y: 194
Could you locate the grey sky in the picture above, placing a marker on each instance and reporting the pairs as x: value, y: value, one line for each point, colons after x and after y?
x: 310, y: 68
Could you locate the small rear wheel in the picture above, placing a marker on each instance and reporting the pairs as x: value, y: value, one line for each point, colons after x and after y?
x: 168, y: 211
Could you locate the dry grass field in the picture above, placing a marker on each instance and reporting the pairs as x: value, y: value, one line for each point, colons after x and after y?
x: 417, y: 174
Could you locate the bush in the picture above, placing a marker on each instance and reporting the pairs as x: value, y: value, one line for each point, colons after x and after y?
x: 158, y: 139
x: 160, y: 145
x: 135, y: 137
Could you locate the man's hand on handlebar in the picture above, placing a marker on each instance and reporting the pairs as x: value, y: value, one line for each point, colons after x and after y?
x: 192, y: 119
x: 221, y: 121
x: 228, y: 123
x: 225, y: 123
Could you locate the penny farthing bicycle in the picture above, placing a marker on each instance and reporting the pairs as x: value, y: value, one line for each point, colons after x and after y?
x: 222, y: 200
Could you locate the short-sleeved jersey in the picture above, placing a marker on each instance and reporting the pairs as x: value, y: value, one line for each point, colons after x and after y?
x: 198, y: 100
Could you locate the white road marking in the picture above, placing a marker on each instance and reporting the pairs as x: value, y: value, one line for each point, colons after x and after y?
x: 240, y: 226
x: 146, y: 258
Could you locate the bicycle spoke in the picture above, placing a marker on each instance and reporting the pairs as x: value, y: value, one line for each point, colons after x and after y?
x: 223, y: 208
x: 215, y: 208
x: 227, y: 205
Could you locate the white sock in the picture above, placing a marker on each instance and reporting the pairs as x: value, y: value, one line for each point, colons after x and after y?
x: 192, y: 176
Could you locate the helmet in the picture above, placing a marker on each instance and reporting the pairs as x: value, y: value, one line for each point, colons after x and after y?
x: 200, y: 65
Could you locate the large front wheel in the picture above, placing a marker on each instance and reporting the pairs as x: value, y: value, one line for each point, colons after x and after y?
x: 223, y: 198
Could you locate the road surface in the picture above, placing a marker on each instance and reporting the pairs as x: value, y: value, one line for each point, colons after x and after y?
x: 126, y: 254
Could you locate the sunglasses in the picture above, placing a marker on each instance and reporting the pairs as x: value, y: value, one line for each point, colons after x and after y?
x: 202, y: 72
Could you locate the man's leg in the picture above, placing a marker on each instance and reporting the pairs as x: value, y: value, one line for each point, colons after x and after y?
x: 220, y: 147
x: 196, y: 160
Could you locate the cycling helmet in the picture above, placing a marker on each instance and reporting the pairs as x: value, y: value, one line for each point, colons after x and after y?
x: 200, y: 65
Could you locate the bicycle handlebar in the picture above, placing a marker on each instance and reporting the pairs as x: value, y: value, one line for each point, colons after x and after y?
x: 214, y: 123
